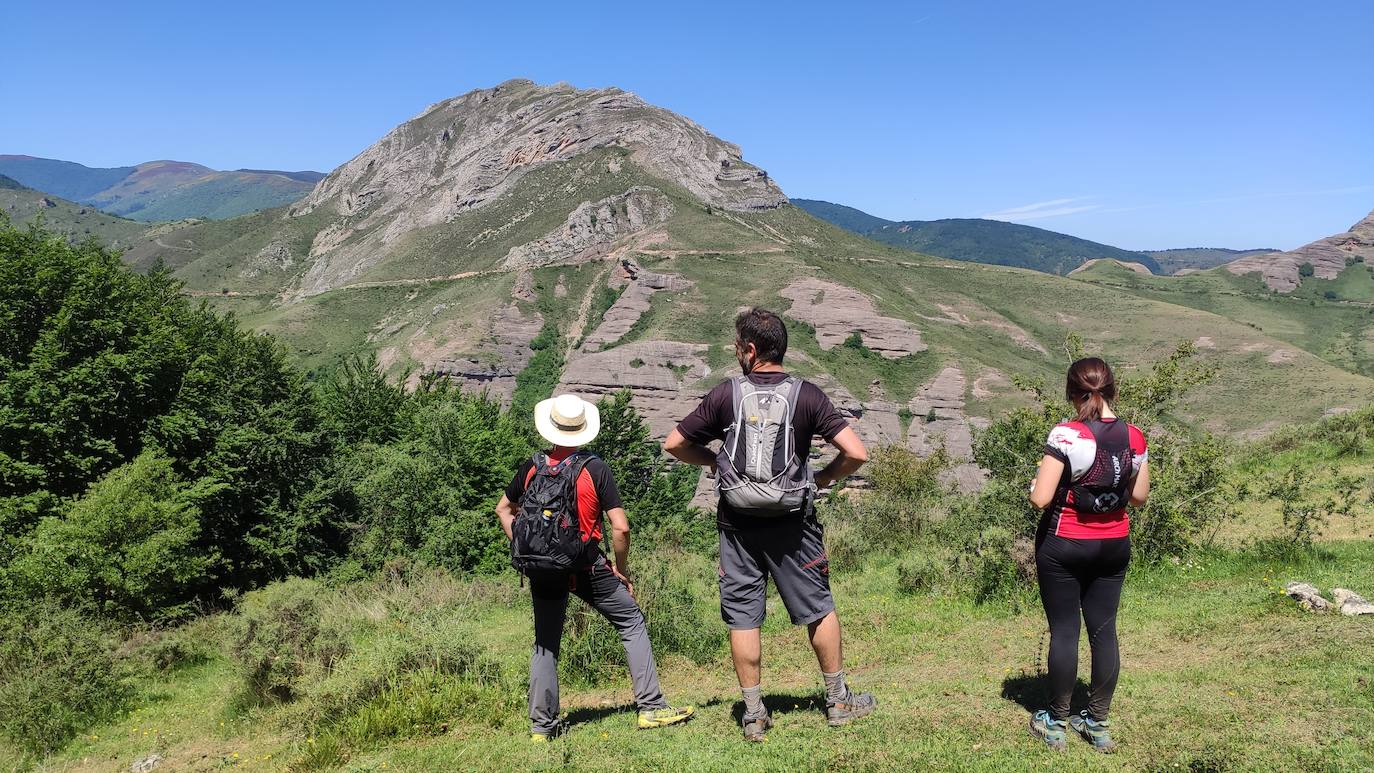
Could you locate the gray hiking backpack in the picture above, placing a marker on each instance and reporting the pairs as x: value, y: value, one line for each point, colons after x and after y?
x: 757, y: 470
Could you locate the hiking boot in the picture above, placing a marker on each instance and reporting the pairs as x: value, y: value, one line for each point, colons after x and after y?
x: 854, y: 706
x: 755, y: 728
x: 664, y: 717
x: 1093, y: 732
x: 544, y: 736
x: 1049, y: 730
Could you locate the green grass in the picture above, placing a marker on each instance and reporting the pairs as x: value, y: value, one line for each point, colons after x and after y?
x: 1220, y: 672
x: 77, y: 222
x: 1337, y: 333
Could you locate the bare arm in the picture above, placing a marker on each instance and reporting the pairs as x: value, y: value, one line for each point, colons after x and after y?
x: 620, y: 543
x: 1046, y: 482
x: 686, y: 451
x: 851, y: 457
x: 1140, y: 490
x: 506, y: 512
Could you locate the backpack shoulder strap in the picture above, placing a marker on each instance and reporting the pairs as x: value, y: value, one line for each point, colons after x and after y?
x: 580, y: 460
x: 736, y: 427
x: 794, y: 385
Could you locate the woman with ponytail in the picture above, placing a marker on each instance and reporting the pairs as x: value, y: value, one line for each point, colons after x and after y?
x: 1093, y: 466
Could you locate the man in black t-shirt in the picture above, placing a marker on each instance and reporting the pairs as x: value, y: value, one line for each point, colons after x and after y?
x: 568, y: 423
x: 790, y: 549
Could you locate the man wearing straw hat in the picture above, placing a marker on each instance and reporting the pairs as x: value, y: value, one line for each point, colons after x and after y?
x: 551, y: 512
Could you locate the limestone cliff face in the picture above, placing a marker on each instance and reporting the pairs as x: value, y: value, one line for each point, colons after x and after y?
x: 1328, y: 257
x: 463, y: 153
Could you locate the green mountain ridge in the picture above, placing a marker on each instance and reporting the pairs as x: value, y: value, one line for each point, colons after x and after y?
x: 978, y: 240
x: 22, y: 205
x: 1199, y: 258
x: 161, y: 190
x: 444, y: 250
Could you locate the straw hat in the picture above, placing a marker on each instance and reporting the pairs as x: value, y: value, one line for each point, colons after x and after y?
x: 567, y: 420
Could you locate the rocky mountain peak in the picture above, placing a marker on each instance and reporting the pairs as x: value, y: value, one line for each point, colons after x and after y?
x: 463, y: 153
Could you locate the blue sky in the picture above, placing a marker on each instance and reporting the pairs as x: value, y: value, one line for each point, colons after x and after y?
x: 1145, y: 125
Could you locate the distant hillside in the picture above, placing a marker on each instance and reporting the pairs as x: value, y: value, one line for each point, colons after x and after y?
x: 75, y: 221
x: 1199, y: 258
x: 162, y: 190
x: 61, y: 178
x: 522, y: 236
x: 1324, y: 259
x: 979, y: 241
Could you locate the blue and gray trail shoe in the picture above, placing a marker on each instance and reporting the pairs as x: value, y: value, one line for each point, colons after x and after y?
x: 1049, y: 730
x: 1093, y: 732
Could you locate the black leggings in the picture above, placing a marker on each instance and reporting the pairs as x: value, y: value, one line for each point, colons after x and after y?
x: 1084, y: 574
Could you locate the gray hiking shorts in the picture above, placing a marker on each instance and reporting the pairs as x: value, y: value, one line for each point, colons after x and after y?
x: 792, y: 552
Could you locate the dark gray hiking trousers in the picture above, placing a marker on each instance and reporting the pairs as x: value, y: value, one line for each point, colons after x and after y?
x: 598, y: 587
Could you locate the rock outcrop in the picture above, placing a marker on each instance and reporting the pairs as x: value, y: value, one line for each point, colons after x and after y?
x: 274, y: 257
x: 938, y: 419
x: 659, y: 374
x: 506, y: 352
x: 1350, y: 603
x: 837, y: 312
x: 463, y: 153
x: 639, y: 288
x: 593, y: 228
x: 1328, y: 258
x: 1308, y: 596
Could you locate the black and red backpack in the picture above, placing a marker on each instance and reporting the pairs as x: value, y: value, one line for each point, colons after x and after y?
x: 1105, y: 487
x: 546, y: 537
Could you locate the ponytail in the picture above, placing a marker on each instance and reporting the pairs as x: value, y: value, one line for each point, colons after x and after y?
x: 1090, y: 386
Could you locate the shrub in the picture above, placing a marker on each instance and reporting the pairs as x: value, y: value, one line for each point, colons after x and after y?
x: 907, y: 496
x: 1306, y: 270
x: 920, y: 572
x: 128, y: 546
x: 275, y: 637
x: 170, y: 650
x: 57, y: 677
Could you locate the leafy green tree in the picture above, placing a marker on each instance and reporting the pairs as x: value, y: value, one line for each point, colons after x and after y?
x: 654, y: 492
x: 97, y: 361
x: 128, y: 546
x: 361, y: 404
x: 432, y: 492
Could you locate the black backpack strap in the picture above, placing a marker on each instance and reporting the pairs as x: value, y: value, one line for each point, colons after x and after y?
x: 580, y: 460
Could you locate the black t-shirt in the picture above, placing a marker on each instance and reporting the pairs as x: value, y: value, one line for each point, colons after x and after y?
x: 596, y: 491
x: 815, y: 416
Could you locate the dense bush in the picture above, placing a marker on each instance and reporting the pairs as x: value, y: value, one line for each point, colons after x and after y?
x: 97, y: 362
x: 385, y: 657
x: 275, y: 638
x: 58, y: 676
x: 906, y: 497
x: 128, y: 547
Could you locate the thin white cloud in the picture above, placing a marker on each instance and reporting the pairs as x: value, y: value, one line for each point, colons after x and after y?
x: 1043, y: 209
x: 1249, y: 197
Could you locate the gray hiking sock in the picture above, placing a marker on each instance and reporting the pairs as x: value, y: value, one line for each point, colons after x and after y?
x: 753, y: 700
x: 836, y: 691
